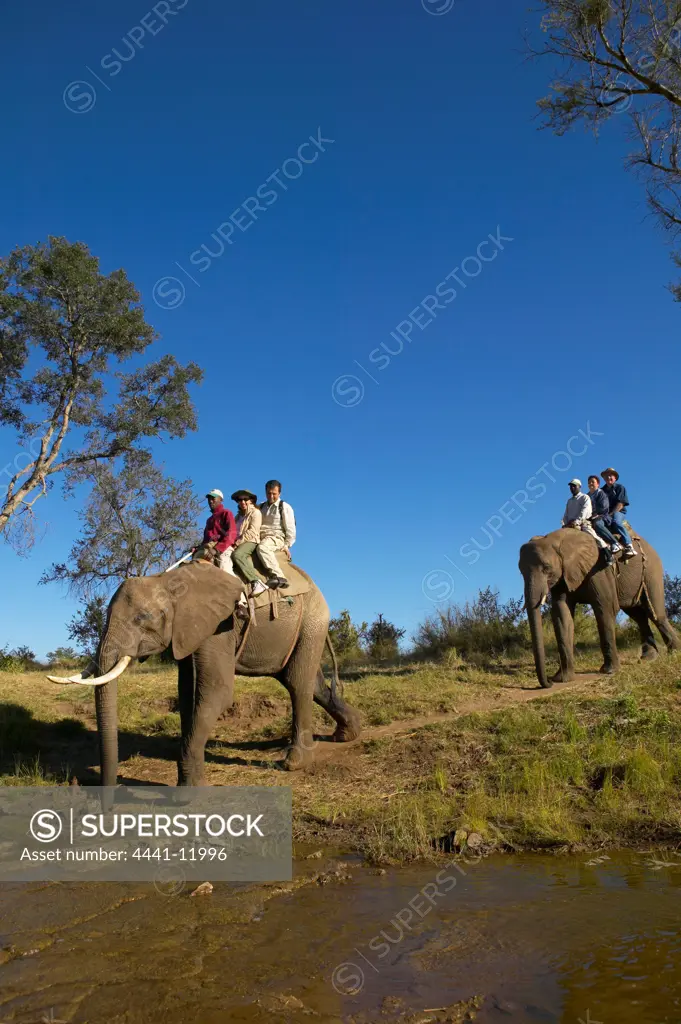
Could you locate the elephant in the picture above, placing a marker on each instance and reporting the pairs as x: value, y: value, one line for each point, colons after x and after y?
x: 192, y: 608
x: 567, y: 563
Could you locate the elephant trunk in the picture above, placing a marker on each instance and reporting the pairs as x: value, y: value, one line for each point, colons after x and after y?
x: 106, y: 706
x: 533, y: 602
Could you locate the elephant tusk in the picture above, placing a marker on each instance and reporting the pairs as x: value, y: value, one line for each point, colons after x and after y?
x: 79, y: 678
x: 543, y: 601
x: 118, y: 669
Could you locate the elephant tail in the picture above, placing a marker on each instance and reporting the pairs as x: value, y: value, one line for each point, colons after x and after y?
x: 336, y: 685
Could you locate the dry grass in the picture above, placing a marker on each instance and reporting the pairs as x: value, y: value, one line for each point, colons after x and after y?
x: 593, y: 766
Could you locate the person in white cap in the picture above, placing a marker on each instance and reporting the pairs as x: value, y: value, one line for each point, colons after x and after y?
x: 578, y: 512
x: 220, y: 532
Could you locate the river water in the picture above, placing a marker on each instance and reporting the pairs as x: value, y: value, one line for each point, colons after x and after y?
x: 536, y: 939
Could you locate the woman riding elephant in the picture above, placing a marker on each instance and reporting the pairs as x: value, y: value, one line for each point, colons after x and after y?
x: 566, y: 564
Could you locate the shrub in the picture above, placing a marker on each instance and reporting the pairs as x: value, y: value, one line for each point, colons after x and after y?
x: 17, y: 660
x: 382, y: 639
x: 483, y: 627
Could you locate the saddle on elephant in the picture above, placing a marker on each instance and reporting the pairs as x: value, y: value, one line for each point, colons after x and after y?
x: 298, y: 581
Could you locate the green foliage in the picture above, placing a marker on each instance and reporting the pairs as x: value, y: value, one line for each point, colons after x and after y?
x: 63, y: 328
x: 346, y: 637
x: 87, y: 625
x: 135, y: 522
x: 672, y: 596
x: 382, y: 640
x: 18, y: 659
x: 65, y: 656
x: 484, y: 626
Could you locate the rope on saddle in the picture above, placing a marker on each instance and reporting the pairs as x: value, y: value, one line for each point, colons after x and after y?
x: 244, y: 638
x: 299, y: 623
x: 642, y: 589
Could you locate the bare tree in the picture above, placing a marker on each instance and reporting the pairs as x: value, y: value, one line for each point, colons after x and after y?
x: 134, y: 522
x: 622, y: 57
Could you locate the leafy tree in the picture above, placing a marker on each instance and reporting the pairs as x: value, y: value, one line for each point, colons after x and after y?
x: 61, y: 655
x: 382, y: 639
x: 87, y: 625
x: 346, y: 636
x: 135, y: 522
x: 622, y: 57
x: 63, y: 328
x: 672, y: 596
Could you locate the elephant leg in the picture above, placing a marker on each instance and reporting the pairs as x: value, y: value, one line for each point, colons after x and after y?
x: 668, y: 634
x: 348, y: 724
x: 606, y: 616
x: 667, y: 631
x: 185, y: 693
x: 639, y: 615
x: 655, y: 608
x: 299, y: 679
x: 564, y: 627
x: 213, y: 670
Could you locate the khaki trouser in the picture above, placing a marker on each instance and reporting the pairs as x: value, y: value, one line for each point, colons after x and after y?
x: 225, y: 561
x: 588, y: 528
x: 266, y: 553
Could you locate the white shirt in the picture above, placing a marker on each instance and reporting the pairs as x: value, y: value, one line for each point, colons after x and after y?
x: 278, y: 522
x: 579, y: 508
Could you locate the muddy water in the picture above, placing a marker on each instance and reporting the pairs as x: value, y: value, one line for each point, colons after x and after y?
x: 537, y: 939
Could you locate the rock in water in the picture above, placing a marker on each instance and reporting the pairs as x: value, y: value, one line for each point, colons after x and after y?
x: 203, y: 890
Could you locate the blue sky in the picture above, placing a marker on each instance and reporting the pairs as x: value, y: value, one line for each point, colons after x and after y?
x: 392, y: 466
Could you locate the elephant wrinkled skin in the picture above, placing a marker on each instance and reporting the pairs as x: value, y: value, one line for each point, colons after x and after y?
x: 567, y: 564
x: 192, y: 609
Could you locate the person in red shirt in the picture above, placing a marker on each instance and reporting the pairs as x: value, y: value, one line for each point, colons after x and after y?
x: 220, y: 532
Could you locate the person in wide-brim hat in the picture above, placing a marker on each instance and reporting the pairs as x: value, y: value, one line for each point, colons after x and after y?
x: 618, y: 501
x: 249, y: 495
x: 249, y: 523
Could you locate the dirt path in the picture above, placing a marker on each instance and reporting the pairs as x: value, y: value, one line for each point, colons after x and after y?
x: 512, y: 697
x: 237, y: 759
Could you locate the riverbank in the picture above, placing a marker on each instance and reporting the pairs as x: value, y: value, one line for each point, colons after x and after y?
x: 446, y: 750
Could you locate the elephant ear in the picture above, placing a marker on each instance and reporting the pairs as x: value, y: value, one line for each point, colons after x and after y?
x: 579, y: 554
x: 203, y: 596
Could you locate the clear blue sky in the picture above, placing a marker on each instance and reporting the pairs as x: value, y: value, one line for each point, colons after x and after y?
x: 435, y: 147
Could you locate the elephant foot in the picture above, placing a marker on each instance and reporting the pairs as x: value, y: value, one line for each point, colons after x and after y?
x: 187, y: 777
x: 608, y: 670
x: 348, y: 729
x: 649, y: 653
x: 299, y: 757
x: 563, y: 676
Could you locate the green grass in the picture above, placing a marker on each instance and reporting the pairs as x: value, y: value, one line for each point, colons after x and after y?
x: 572, y: 770
x: 587, y: 768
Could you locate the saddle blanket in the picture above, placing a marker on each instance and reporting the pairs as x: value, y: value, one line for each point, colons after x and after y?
x: 298, y: 584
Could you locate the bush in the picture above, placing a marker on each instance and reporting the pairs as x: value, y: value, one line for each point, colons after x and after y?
x: 17, y: 660
x: 67, y: 657
x: 346, y: 638
x: 382, y: 639
x: 483, y: 627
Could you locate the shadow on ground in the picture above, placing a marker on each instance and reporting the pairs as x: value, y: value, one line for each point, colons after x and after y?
x: 68, y: 748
